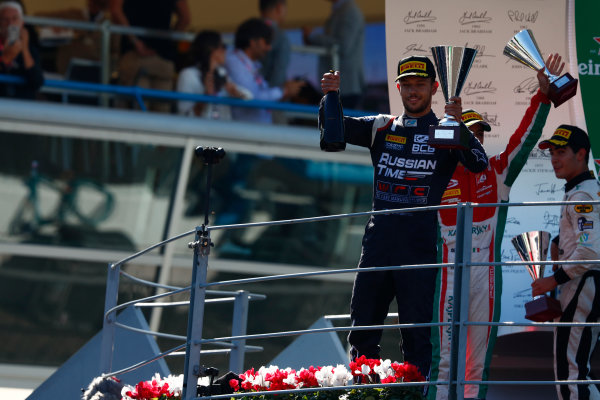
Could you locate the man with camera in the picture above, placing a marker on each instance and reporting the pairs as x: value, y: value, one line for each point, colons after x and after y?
x: 17, y: 55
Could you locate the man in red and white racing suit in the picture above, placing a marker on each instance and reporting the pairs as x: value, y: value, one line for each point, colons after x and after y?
x: 490, y: 186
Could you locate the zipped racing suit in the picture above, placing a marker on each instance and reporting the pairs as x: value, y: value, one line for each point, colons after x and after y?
x: 407, y: 173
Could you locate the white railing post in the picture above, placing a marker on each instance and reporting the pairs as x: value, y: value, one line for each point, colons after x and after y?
x: 196, y: 315
x: 108, y: 322
x: 240, y: 322
x: 460, y: 309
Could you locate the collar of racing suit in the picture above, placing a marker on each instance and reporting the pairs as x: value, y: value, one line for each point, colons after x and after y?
x: 421, y: 122
x: 584, y: 176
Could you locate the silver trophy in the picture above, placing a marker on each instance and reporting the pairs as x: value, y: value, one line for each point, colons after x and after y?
x: 453, y: 65
x: 524, y: 49
x: 533, y: 246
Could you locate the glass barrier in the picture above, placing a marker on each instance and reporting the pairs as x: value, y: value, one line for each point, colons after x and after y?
x: 85, y: 193
x: 254, y: 188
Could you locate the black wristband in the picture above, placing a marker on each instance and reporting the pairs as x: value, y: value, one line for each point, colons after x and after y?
x: 560, y: 276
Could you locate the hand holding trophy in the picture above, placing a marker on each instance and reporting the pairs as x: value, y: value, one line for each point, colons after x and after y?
x: 524, y: 49
x: 453, y: 65
x: 533, y: 246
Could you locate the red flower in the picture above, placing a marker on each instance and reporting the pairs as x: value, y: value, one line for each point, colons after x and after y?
x: 406, y: 372
x: 306, y: 378
x: 234, y: 384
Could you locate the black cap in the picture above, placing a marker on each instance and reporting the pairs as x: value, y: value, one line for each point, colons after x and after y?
x: 416, y: 66
x: 567, y: 135
x: 472, y: 117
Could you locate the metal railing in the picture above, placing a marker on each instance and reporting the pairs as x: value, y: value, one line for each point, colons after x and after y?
x: 200, y: 285
x: 139, y: 94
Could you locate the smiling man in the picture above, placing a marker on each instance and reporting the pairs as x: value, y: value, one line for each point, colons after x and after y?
x: 579, y: 284
x: 407, y: 173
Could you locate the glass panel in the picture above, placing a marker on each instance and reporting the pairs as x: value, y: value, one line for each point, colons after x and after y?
x: 249, y: 188
x: 84, y: 193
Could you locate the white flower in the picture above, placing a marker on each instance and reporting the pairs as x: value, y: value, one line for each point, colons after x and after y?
x: 384, y: 369
x: 341, y: 376
x: 324, y: 376
x: 126, y: 389
x: 365, y: 369
x: 291, y: 379
x: 175, y: 383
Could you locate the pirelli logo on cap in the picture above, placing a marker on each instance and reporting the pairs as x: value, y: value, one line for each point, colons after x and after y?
x: 471, y: 115
x: 584, y: 208
x: 413, y: 65
x: 451, y: 192
x: 565, y: 133
x: 395, y: 139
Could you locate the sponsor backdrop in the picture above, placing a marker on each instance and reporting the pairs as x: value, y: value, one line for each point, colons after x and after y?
x: 588, y: 59
x: 500, y: 89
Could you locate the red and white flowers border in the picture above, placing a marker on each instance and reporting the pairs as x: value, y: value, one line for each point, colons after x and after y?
x: 273, y: 378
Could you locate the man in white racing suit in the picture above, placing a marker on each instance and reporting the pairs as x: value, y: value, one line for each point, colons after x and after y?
x: 579, y: 284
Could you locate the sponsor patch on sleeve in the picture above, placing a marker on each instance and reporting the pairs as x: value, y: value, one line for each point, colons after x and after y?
x: 584, y: 208
x: 584, y: 224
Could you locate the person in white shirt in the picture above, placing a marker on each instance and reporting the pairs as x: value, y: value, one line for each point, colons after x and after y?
x: 207, y: 75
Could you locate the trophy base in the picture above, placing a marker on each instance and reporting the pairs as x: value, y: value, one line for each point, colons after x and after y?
x: 448, y: 137
x: 562, y: 89
x: 542, y: 309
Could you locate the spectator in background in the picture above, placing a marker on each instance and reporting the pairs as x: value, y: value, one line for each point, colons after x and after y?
x: 277, y: 60
x: 18, y: 56
x: 206, y: 74
x: 148, y: 61
x: 345, y: 28
x: 252, y: 43
x: 84, y: 44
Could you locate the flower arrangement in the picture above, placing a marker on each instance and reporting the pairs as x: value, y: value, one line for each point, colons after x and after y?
x: 158, y: 388
x: 268, y: 379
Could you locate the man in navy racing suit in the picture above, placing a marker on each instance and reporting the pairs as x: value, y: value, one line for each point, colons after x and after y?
x: 407, y: 173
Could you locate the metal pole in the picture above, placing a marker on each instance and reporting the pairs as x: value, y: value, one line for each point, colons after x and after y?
x: 202, y: 245
x: 460, y: 308
x: 240, y: 321
x: 105, y: 60
x: 196, y: 315
x: 467, y: 250
x: 108, y: 326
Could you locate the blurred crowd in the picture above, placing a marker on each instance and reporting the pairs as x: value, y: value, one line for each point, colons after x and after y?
x: 255, y: 66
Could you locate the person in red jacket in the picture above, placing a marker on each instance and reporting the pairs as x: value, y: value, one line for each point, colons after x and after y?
x: 490, y: 186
